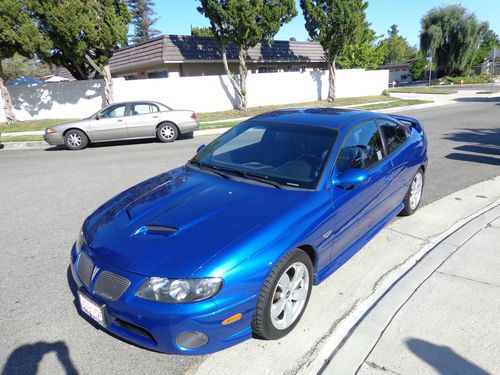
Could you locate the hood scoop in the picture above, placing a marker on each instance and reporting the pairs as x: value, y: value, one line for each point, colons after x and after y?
x: 155, y: 230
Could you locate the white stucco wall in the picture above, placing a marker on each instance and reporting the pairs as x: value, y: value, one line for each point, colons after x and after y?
x: 78, y: 99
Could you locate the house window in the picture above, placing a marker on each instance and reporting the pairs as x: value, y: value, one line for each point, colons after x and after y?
x: 158, y: 74
x: 267, y: 69
x: 130, y: 77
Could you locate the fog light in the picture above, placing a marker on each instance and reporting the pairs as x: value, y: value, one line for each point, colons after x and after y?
x: 192, y: 340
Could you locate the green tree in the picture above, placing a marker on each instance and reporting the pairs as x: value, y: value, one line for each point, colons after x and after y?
x: 366, y: 52
x: 83, y: 33
x: 335, y: 24
x: 21, y: 66
x: 244, y: 23
x: 18, y: 34
x: 451, y: 35
x: 489, y: 40
x: 202, y: 31
x: 398, y: 48
x: 418, y: 67
x: 143, y: 18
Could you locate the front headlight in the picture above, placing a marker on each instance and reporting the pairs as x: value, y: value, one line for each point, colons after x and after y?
x: 50, y: 131
x: 179, y: 290
x: 80, y: 240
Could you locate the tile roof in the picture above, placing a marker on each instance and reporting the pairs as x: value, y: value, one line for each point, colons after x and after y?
x: 181, y: 48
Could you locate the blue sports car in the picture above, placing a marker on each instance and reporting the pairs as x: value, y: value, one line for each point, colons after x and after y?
x: 204, y: 256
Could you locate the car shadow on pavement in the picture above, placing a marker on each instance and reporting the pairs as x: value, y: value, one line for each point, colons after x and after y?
x: 443, y: 359
x: 118, y: 143
x: 483, y: 147
x: 26, y: 358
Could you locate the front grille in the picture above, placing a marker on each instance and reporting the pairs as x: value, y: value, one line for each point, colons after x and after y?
x: 110, y: 286
x: 85, y: 268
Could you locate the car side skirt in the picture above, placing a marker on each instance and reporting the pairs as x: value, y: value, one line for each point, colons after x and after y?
x: 340, y: 260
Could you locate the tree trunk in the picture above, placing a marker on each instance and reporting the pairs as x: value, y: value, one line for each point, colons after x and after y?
x: 7, y: 103
x: 108, y: 80
x: 235, y: 84
x: 332, y: 71
x: 106, y: 75
x: 242, y: 55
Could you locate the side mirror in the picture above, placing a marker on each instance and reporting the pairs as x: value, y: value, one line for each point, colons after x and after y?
x: 350, y: 178
x: 201, y: 148
x: 98, y: 116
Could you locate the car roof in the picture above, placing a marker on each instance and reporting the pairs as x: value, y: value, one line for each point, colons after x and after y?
x: 334, y: 118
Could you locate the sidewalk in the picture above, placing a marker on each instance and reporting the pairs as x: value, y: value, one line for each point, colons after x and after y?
x: 440, y: 317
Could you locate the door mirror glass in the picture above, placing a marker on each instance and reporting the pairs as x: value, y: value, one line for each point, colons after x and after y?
x: 201, y: 148
x: 350, y: 178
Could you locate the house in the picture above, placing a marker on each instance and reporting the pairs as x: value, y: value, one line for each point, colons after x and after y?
x: 399, y: 72
x: 185, y: 56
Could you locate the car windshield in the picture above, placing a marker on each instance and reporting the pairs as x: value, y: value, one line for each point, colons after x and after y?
x: 280, y: 154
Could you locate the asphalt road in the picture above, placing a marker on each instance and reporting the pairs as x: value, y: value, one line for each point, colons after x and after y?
x: 46, y: 195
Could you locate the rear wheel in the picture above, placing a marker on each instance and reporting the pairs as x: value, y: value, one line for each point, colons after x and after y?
x: 167, y: 132
x: 284, y: 296
x: 75, y: 139
x: 414, y: 194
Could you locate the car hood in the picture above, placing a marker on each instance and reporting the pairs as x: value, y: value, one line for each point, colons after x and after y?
x: 172, y: 224
x: 70, y: 124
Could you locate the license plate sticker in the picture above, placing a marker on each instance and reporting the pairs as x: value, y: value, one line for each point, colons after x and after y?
x: 92, y: 309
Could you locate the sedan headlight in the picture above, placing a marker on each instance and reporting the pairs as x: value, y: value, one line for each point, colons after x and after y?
x: 179, y: 290
x: 50, y: 131
x: 80, y: 240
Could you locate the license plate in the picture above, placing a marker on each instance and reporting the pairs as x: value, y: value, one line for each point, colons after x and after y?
x: 92, y: 309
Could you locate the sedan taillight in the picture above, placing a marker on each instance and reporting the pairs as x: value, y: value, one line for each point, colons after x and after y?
x: 194, y: 116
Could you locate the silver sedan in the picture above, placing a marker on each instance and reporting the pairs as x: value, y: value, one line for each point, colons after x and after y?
x: 120, y: 121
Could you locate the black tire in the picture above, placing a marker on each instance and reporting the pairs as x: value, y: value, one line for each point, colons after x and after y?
x: 262, y: 324
x: 75, y: 139
x: 188, y: 135
x: 167, y: 132
x: 409, y: 206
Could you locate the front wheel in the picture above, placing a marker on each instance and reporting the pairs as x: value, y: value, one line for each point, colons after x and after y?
x: 284, y: 296
x: 75, y: 140
x: 167, y: 132
x: 414, y: 194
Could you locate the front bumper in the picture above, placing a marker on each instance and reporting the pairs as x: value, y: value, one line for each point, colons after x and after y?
x: 53, y: 139
x: 156, y: 325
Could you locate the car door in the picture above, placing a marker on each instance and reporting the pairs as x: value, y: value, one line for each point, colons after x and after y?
x: 141, y: 120
x: 395, y: 138
x: 358, y: 209
x: 109, y: 124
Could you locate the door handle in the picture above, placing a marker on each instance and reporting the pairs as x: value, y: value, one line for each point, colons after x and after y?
x: 156, y: 116
x: 119, y: 120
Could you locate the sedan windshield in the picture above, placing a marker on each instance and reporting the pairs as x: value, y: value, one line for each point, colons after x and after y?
x: 276, y: 154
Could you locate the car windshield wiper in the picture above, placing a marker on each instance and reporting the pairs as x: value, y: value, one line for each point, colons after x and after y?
x: 251, y: 176
x: 208, y: 168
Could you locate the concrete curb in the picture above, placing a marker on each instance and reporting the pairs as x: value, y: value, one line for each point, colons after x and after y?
x: 348, y: 356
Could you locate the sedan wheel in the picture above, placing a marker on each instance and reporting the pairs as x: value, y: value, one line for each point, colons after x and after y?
x: 284, y: 296
x: 167, y: 133
x: 75, y: 140
x: 414, y: 194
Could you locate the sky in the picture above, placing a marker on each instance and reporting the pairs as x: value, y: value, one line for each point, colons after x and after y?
x: 177, y: 16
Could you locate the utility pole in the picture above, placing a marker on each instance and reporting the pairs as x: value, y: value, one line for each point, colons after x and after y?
x: 492, y: 70
x: 430, y: 69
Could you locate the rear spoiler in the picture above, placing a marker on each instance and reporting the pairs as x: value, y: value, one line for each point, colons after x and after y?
x: 408, y: 120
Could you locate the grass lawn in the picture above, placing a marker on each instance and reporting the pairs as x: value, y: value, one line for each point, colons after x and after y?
x: 487, y: 92
x: 215, y: 116
x: 225, y: 115
x: 30, y: 125
x: 423, y: 90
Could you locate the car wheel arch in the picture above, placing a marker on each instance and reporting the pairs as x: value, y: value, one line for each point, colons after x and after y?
x: 163, y: 122
x: 80, y: 129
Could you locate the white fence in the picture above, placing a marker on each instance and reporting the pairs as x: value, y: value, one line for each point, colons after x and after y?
x: 79, y: 99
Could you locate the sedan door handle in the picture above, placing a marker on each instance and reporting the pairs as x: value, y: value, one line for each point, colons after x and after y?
x: 119, y: 120
x: 156, y: 116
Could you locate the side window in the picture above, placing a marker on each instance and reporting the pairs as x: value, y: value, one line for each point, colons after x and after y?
x: 362, y: 148
x: 153, y: 108
x: 394, y: 135
x: 115, y: 111
x: 139, y: 109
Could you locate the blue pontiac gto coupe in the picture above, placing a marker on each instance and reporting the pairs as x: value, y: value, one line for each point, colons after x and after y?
x: 199, y: 258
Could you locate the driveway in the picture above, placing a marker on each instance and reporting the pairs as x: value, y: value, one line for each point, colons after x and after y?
x: 46, y: 195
